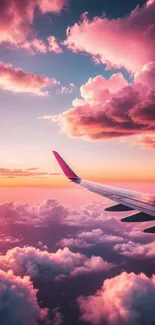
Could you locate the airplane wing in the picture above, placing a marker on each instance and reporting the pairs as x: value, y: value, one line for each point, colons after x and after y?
x: 126, y: 200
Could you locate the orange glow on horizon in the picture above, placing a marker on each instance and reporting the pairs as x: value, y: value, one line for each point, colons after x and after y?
x: 62, y: 181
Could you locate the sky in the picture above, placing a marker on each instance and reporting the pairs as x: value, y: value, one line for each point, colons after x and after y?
x: 76, y: 77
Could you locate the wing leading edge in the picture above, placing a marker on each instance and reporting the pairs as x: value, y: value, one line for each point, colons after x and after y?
x: 127, y: 200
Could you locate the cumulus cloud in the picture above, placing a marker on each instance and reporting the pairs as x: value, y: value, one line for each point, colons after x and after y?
x: 147, y: 140
x: 124, y: 299
x: 51, y: 6
x: 48, y: 211
x: 100, y: 227
x: 18, y: 301
x: 110, y: 109
x: 136, y: 250
x: 74, y: 242
x: 8, y: 239
x: 92, y: 215
x: 52, y: 211
x: 53, y: 45
x: 18, y: 81
x: 66, y: 90
x: 128, y: 37
x: 87, y: 239
x: 37, y: 45
x: 35, y: 263
x: 17, y: 18
x: 93, y: 264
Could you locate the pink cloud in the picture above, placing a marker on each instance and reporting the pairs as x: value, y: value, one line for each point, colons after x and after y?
x: 124, y: 299
x: 51, y: 212
x: 150, y: 2
x: 7, y: 239
x: 87, y: 239
x: 93, y: 264
x: 100, y: 227
x: 53, y: 45
x: 29, y: 172
x: 112, y: 108
x: 51, y: 6
x: 18, y: 301
x: 99, y: 89
x: 117, y: 42
x: 17, y: 18
x: 66, y: 90
x: 36, y: 45
x: 37, y: 215
x: 135, y: 250
x: 19, y: 81
x: 35, y: 263
x: 98, y: 236
x: 147, y: 140
x: 58, y: 319
x: 74, y: 242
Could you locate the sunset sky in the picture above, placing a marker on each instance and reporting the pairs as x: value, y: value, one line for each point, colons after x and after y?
x: 76, y: 77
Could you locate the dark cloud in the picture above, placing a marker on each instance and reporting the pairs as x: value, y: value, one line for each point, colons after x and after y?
x: 37, y: 263
x: 18, y: 303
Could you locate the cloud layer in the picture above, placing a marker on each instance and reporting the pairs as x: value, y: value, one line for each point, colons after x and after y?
x: 124, y: 299
x: 103, y: 248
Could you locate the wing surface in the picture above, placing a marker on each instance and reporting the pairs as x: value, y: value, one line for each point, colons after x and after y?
x: 127, y: 200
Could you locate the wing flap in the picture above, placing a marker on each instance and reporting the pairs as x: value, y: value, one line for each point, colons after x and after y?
x: 150, y: 230
x: 138, y: 217
x: 118, y: 208
x: 136, y: 201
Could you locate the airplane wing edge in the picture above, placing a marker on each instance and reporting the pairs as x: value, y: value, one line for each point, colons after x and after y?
x: 127, y: 199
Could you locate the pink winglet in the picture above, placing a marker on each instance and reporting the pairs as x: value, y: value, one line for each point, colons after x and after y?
x: 66, y: 169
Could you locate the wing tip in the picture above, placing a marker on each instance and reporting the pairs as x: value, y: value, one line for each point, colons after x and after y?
x: 65, y: 168
x: 54, y: 152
